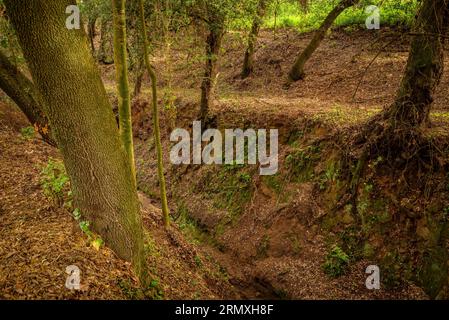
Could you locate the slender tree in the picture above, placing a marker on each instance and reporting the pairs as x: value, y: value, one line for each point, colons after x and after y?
x: 297, y: 71
x: 121, y: 66
x: 27, y: 97
x: 91, y: 31
x: 213, y: 44
x: 248, y: 62
x: 83, y: 124
x: 156, y: 125
x: 105, y: 52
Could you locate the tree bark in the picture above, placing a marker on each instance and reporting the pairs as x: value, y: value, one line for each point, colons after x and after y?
x: 27, y: 97
x: 213, y: 44
x: 424, y: 66
x: 77, y: 105
x: 140, y: 72
x: 91, y: 32
x: 122, y: 81
x: 297, y: 71
x: 156, y: 126
x: 105, y: 51
x: 248, y: 62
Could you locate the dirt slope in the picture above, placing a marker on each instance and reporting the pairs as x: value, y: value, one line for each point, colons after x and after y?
x: 39, y: 239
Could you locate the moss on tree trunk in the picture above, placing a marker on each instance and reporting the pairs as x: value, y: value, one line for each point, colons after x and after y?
x: 424, y: 66
x: 105, y: 51
x: 77, y: 105
x: 122, y: 82
x: 156, y: 126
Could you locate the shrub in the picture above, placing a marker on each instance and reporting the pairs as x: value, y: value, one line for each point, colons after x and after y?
x: 336, y: 262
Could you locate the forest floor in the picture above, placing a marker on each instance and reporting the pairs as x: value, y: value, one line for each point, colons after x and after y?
x: 274, y: 251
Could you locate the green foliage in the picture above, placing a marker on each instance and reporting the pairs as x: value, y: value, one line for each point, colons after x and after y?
x: 301, y: 163
x: 273, y: 182
x: 330, y: 175
x: 154, y: 290
x: 198, y: 261
x: 191, y: 229
x: 233, y: 187
x: 95, y: 240
x: 55, y: 182
x: 27, y: 133
x: 336, y: 262
x: 394, y: 270
x: 287, y: 13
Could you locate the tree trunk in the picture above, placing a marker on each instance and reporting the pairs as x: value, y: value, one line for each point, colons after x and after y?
x: 424, y: 67
x: 248, y: 63
x: 213, y: 44
x: 297, y: 71
x: 121, y: 70
x: 27, y: 97
x: 140, y: 72
x: 83, y: 123
x: 156, y: 126
x: 105, y: 51
x: 92, y: 33
x: 304, y: 4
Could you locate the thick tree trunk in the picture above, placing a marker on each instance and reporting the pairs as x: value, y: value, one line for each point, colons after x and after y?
x: 27, y: 97
x: 121, y: 70
x: 424, y: 67
x: 77, y: 105
x: 297, y: 71
x: 105, y: 51
x: 213, y: 44
x: 248, y: 62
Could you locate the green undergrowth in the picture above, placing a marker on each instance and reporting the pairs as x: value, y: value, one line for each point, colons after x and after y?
x: 288, y: 14
x: 377, y: 226
x: 55, y: 184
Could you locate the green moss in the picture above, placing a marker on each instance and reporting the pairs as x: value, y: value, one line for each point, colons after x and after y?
x: 301, y: 163
x: 273, y: 182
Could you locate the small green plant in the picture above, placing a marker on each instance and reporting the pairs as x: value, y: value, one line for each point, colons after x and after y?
x: 198, y: 261
x: 27, y: 133
x: 336, y: 262
x: 55, y: 181
x: 153, y: 291
x: 95, y: 240
x: 273, y: 182
x: 301, y: 163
